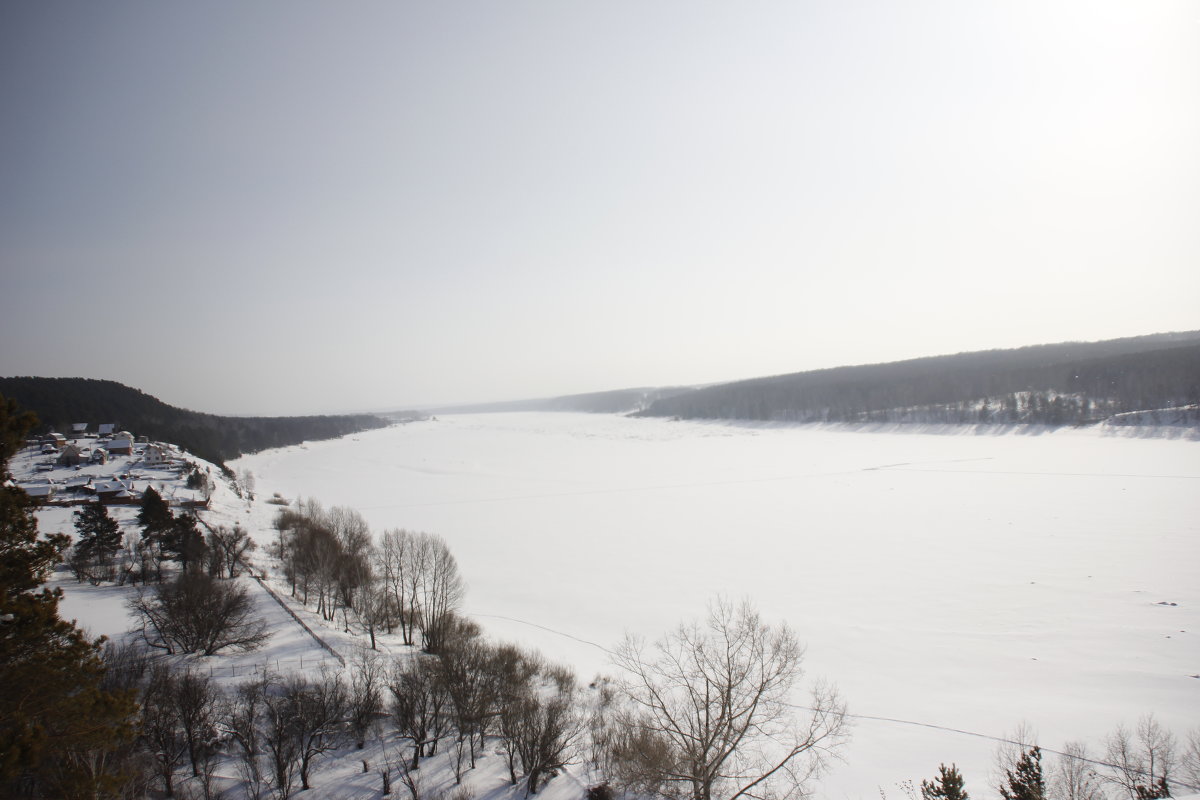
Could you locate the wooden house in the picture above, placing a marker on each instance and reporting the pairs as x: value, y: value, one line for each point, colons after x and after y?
x: 71, y: 456
x: 109, y: 492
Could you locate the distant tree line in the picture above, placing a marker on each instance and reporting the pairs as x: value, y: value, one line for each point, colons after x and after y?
x: 1047, y: 385
x: 61, y: 402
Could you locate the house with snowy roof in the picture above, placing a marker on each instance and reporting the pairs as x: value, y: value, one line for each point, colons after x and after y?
x: 40, y: 492
x: 113, y: 492
x: 71, y: 456
x: 156, y: 455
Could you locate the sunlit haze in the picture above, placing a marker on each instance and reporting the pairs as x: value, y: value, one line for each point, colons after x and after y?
x: 300, y: 207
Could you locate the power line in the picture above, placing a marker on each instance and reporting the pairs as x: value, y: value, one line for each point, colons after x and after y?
x: 872, y: 718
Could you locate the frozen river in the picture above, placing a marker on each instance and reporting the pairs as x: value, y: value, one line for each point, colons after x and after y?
x: 967, y: 581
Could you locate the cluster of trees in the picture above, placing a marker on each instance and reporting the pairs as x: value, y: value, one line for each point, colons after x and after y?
x: 701, y: 715
x: 60, y: 402
x: 1067, y: 384
x: 275, y: 729
x: 103, y: 552
x: 1143, y: 763
x: 407, y: 581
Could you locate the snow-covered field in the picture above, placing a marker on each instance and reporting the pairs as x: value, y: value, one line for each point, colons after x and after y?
x: 954, y: 579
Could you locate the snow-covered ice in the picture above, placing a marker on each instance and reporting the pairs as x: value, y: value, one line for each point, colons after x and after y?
x: 966, y: 581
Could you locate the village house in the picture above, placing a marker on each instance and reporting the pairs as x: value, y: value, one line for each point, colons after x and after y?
x: 55, y: 440
x: 111, y: 492
x: 78, y: 484
x: 107, y: 428
x: 78, y: 430
x: 99, y: 456
x: 71, y: 456
x: 156, y: 455
x: 40, y: 492
x: 120, y: 446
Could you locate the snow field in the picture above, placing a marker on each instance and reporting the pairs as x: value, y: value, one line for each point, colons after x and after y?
x: 967, y: 581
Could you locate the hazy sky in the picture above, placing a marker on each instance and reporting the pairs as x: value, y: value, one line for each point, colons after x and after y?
x: 294, y: 207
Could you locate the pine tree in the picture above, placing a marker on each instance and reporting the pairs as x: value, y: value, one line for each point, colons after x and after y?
x: 184, y: 542
x: 60, y: 728
x: 99, y: 534
x: 948, y: 785
x: 156, y: 520
x: 1024, y: 781
x: 155, y: 515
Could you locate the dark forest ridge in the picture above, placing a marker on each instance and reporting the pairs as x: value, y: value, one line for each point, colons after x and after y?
x: 61, y: 403
x: 1151, y: 379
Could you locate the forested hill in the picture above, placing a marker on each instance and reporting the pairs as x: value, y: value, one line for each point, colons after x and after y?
x: 61, y: 402
x: 1148, y: 379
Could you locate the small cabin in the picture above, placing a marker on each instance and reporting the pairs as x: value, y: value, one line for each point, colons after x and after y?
x: 120, y: 447
x: 99, y: 456
x: 79, y: 429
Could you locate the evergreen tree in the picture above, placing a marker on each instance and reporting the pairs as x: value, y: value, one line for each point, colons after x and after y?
x: 155, y: 515
x: 948, y: 785
x: 99, y: 534
x: 156, y: 520
x: 1024, y: 781
x: 61, y: 728
x: 184, y: 542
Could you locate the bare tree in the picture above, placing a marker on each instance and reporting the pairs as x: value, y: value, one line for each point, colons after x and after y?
x: 1143, y: 762
x: 368, y: 678
x: 227, y: 547
x: 1189, y: 762
x: 543, y: 726
x: 393, y: 563
x: 440, y: 592
x: 245, y: 484
x: 318, y: 712
x: 419, y: 705
x: 279, y: 742
x: 463, y: 669
x: 241, y: 724
x: 375, y: 610
x: 1072, y: 776
x: 712, y: 716
x: 161, y: 732
x: 198, y: 614
x: 198, y: 703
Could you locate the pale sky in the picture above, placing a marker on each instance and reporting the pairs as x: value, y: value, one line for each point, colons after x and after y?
x: 304, y: 207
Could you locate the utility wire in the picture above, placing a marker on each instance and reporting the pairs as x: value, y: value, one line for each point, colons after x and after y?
x: 871, y: 718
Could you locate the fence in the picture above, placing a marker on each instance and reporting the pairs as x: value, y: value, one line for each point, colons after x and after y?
x: 278, y: 666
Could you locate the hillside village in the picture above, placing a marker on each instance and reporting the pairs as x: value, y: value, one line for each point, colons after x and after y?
x: 110, y: 466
